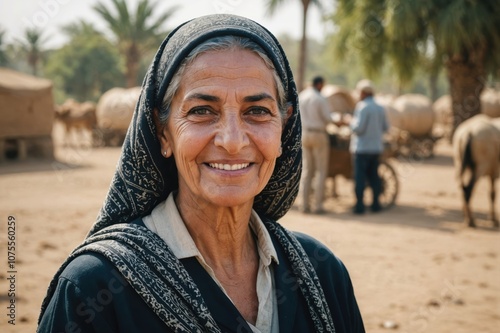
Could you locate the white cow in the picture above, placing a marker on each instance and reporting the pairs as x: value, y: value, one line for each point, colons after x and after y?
x: 476, y: 146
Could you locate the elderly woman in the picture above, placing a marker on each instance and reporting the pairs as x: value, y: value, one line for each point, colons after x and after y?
x: 187, y: 240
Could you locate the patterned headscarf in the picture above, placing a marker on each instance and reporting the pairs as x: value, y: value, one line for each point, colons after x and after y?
x: 144, y: 177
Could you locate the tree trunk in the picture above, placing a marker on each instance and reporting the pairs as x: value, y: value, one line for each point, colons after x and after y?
x: 467, y: 78
x: 303, y: 48
x: 132, y: 65
x: 433, y: 90
x: 33, y: 62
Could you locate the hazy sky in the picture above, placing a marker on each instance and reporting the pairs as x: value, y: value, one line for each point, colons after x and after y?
x: 16, y: 15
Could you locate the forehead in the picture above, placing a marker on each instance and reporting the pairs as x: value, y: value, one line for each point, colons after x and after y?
x: 236, y: 67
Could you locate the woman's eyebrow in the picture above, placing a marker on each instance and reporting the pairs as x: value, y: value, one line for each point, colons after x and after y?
x: 258, y: 97
x: 204, y: 97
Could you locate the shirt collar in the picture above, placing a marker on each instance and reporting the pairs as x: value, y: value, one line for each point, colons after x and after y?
x: 265, y: 245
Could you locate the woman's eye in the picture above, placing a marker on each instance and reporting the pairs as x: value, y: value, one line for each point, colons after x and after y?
x: 259, y: 111
x: 199, y: 111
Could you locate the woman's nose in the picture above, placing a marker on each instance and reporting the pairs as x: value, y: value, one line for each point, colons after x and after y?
x: 231, y: 135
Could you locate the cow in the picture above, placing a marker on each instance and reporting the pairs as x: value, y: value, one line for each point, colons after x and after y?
x: 476, y: 153
x: 76, y: 117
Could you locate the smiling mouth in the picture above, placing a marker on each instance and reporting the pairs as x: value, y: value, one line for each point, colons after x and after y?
x: 228, y: 167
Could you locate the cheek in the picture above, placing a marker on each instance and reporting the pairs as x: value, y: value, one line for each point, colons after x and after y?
x: 188, y: 141
x: 270, y: 143
x: 186, y: 145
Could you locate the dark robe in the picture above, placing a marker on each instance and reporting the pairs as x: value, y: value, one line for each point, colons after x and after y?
x: 92, y: 296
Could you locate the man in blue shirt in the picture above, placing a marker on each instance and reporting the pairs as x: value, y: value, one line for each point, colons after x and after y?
x: 368, y: 126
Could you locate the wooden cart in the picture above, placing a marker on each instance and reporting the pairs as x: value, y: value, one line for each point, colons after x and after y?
x: 341, y: 163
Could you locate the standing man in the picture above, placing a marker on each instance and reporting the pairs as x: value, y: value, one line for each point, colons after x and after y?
x: 315, y: 114
x: 368, y: 126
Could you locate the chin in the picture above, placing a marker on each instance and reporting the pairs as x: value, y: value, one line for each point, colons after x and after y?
x: 231, y: 198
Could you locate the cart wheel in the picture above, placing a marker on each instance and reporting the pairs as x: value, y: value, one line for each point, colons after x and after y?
x: 390, y: 185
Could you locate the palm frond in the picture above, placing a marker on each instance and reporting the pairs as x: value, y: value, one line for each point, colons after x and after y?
x: 272, y: 5
x: 135, y: 31
x: 79, y: 28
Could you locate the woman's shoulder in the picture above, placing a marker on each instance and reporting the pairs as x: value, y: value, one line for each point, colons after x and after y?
x: 93, y: 266
x: 322, y: 258
x: 92, y: 296
x: 311, y: 244
x: 91, y: 271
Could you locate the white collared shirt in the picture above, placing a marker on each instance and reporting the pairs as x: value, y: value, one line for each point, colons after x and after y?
x: 167, y: 223
x: 315, y: 111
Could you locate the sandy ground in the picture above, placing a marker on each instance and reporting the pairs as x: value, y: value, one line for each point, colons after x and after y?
x: 414, y: 267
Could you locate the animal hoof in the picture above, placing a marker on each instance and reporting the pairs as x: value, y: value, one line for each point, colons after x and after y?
x: 471, y: 224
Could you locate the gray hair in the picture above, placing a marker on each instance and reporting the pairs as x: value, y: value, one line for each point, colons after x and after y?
x: 220, y: 44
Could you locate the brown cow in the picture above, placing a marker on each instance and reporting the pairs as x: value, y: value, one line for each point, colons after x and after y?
x: 476, y: 145
x: 76, y: 117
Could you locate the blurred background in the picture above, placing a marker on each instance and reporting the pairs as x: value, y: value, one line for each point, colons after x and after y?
x: 390, y: 41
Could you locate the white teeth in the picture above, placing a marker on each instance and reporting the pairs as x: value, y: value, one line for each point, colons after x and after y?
x: 229, y: 167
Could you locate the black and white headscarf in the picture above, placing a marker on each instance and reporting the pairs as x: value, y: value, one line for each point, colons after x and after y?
x: 144, y: 178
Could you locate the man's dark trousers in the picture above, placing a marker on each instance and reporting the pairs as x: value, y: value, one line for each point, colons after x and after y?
x: 366, y: 170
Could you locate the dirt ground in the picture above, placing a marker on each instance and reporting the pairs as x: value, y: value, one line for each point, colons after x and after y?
x: 415, y: 268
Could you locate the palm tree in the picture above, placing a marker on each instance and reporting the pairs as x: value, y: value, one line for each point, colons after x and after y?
x: 80, y: 28
x: 3, y: 56
x: 460, y: 36
x: 134, y: 32
x: 272, y: 5
x: 32, y: 47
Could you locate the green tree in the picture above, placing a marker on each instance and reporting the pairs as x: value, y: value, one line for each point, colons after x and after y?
x: 86, y: 66
x: 461, y: 36
x: 272, y: 5
x: 31, y: 46
x: 134, y: 32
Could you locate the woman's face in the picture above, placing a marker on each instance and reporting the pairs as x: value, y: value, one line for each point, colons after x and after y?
x: 224, y: 128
